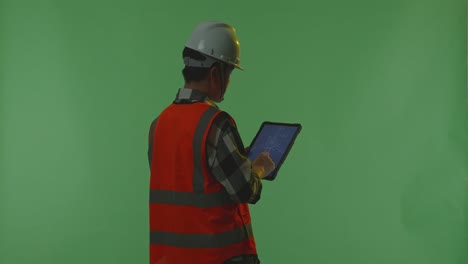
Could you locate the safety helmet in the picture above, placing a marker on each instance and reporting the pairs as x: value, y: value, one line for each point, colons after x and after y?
x: 218, y: 41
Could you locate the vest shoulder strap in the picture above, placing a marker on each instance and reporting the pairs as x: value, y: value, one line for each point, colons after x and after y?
x: 151, y: 140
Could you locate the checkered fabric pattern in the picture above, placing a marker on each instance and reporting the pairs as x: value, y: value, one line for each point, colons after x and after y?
x: 226, y: 155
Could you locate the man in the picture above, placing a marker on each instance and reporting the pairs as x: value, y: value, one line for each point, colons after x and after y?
x: 201, y: 180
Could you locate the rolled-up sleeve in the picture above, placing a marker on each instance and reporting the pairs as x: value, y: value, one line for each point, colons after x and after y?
x: 229, y: 164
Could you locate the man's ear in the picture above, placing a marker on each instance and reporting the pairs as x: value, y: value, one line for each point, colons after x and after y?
x: 215, y: 70
x: 214, y: 73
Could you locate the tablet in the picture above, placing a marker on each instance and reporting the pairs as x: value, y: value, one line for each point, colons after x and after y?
x: 277, y: 139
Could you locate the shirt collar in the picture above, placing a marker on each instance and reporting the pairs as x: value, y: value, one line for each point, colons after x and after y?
x: 186, y: 95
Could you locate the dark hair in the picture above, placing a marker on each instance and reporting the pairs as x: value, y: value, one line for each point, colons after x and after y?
x: 195, y: 73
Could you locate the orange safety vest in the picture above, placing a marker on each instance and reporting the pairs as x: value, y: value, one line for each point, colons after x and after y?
x: 191, y: 217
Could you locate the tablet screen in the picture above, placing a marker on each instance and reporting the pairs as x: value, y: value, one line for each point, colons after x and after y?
x: 275, y: 138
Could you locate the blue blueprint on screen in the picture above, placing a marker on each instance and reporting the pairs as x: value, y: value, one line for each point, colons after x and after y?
x: 274, y: 139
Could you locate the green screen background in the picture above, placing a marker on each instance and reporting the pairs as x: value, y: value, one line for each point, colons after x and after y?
x: 379, y: 173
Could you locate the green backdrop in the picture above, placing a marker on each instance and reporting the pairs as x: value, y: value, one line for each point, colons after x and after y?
x: 379, y: 174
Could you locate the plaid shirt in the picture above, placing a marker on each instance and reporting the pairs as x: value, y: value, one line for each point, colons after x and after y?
x: 226, y: 155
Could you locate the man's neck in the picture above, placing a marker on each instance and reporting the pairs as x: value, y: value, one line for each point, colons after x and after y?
x: 199, y: 86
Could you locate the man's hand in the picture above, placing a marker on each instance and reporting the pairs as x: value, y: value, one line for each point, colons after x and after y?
x: 263, y: 165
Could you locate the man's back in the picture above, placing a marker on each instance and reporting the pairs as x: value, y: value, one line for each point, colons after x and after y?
x: 192, y: 218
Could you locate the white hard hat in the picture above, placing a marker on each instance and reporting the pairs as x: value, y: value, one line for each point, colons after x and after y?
x: 218, y: 41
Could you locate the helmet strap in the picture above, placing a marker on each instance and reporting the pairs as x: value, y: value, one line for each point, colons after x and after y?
x: 201, y: 64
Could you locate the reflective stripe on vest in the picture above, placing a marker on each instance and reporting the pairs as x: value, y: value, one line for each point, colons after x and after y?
x: 201, y: 240
x: 198, y: 179
x: 200, y: 200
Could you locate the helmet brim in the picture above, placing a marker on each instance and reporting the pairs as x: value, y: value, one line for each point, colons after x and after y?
x: 238, y: 67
